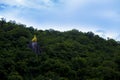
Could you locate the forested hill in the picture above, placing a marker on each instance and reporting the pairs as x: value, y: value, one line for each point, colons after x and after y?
x: 70, y: 55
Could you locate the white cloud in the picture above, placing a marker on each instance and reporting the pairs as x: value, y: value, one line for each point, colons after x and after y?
x: 118, y: 37
x: 65, y: 27
x: 36, y: 4
x: 108, y: 34
x: 12, y: 2
x: 30, y: 11
x: 101, y: 33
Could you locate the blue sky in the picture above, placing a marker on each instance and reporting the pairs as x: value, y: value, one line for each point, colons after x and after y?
x: 99, y: 16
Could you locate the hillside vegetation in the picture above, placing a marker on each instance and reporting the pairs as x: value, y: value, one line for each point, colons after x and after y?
x: 69, y: 55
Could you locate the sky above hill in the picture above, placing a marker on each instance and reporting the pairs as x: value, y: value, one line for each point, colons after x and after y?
x: 99, y: 16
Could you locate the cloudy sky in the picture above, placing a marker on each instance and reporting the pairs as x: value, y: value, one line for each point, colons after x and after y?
x: 99, y: 16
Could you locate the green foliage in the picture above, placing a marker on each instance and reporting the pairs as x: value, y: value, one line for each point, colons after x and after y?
x: 14, y: 76
x: 70, y: 55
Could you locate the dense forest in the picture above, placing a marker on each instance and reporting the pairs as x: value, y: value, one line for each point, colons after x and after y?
x: 69, y: 55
